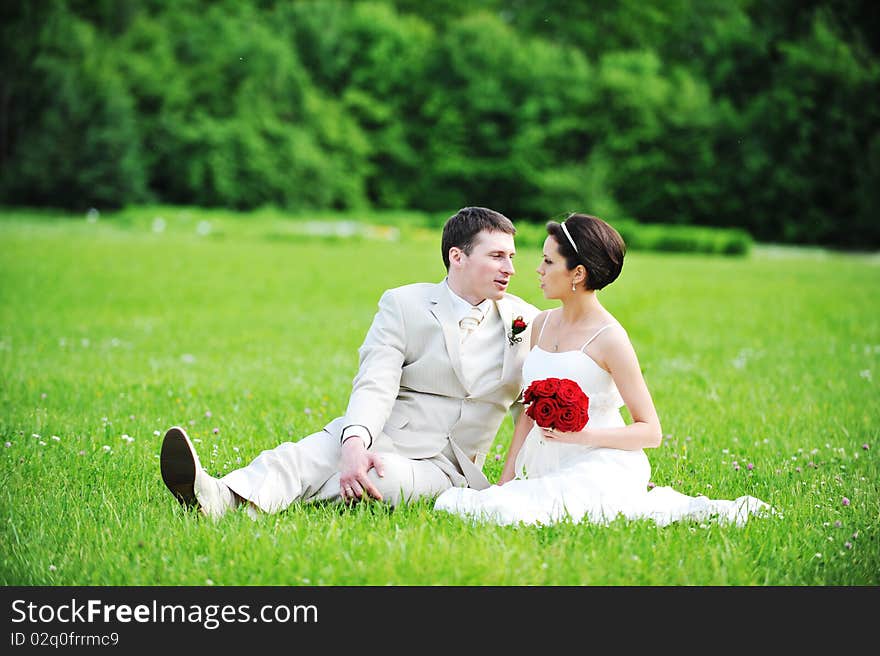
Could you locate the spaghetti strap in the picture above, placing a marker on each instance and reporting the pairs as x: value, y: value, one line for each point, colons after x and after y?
x: 597, y: 333
x: 544, y: 325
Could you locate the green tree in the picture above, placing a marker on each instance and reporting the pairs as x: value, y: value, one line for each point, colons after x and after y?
x: 370, y: 60
x: 232, y: 117
x: 809, y: 161
x: 80, y: 147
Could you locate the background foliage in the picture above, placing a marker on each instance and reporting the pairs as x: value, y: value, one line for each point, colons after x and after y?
x: 756, y: 114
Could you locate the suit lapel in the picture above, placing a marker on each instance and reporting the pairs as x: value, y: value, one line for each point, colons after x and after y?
x: 506, y: 313
x: 441, y: 308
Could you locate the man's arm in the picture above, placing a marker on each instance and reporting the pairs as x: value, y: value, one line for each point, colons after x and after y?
x: 374, y: 391
x: 377, y: 382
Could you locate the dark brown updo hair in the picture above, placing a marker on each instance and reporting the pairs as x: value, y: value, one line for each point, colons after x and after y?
x: 600, y: 248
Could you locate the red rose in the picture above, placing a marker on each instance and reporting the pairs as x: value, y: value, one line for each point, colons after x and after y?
x: 569, y: 392
x: 544, y: 412
x: 584, y: 413
x: 569, y: 419
x: 557, y: 403
x: 546, y: 387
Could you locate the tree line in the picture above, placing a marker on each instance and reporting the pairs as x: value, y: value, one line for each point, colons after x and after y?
x: 758, y: 114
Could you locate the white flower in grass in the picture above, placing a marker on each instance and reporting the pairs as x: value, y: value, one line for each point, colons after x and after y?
x: 818, y: 555
x: 865, y: 373
x: 197, y: 440
x: 8, y: 444
x: 156, y: 433
x: 52, y: 568
x: 36, y: 435
x: 56, y: 438
x: 209, y: 582
x: 203, y: 228
x: 42, y: 443
x: 127, y: 438
x: 106, y: 448
x: 158, y: 224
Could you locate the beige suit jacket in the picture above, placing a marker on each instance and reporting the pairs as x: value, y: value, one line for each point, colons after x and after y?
x: 409, y: 391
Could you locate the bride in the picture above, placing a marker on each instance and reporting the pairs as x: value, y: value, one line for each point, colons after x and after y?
x: 600, y: 472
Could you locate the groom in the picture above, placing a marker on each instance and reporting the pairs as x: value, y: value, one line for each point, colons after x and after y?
x: 439, y: 368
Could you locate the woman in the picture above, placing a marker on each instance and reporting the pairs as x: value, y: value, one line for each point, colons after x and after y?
x: 601, y: 471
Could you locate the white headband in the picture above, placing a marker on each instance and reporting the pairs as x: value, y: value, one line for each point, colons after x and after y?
x: 570, y: 240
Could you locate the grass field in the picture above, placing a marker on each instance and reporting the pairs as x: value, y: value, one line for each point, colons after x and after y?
x: 246, y: 332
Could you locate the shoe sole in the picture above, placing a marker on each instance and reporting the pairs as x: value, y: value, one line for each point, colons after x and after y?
x: 178, y: 464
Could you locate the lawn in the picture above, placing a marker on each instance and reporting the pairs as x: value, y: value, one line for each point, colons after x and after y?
x: 245, y: 330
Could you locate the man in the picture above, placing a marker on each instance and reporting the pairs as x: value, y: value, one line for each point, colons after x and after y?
x: 439, y: 368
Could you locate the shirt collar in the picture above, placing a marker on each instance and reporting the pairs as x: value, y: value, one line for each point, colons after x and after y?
x: 463, y: 307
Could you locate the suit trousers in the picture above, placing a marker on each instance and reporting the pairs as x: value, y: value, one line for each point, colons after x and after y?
x: 308, y: 470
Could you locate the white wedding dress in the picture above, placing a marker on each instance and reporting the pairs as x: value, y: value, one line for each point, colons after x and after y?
x: 570, y: 482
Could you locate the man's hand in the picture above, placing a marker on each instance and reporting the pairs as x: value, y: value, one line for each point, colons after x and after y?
x: 355, y: 462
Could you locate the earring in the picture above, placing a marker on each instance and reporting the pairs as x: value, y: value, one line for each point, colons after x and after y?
x: 572, y: 286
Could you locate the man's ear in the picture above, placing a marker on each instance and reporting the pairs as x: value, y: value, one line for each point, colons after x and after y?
x: 455, y: 256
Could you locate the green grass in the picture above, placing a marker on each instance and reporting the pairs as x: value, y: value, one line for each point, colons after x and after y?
x: 110, y: 329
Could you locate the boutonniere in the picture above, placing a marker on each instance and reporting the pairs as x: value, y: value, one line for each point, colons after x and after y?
x: 516, y: 327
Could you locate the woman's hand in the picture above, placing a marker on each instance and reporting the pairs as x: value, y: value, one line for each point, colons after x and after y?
x: 506, y: 476
x: 579, y: 437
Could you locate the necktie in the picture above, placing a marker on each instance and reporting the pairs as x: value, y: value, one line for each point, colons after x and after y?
x: 469, y: 323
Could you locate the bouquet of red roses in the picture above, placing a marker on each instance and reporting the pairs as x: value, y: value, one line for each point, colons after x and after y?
x: 557, y: 403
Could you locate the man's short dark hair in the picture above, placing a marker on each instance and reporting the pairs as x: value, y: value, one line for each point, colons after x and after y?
x: 462, y: 228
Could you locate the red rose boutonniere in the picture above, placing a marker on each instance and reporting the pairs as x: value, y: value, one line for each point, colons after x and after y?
x: 516, y: 327
x: 557, y: 403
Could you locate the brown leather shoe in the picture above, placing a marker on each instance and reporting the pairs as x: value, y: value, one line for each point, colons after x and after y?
x: 188, y: 481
